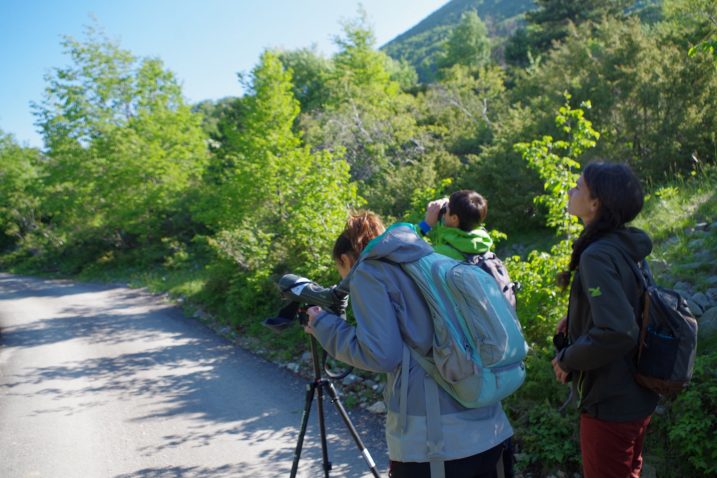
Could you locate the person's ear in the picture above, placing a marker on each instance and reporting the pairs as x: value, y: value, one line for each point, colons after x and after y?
x: 451, y: 220
x: 347, y: 261
x: 594, y: 206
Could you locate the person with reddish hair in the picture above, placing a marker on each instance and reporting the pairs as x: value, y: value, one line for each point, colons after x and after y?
x: 428, y: 432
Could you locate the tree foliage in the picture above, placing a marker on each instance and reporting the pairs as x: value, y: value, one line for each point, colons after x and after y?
x: 19, y: 177
x: 309, y: 72
x: 559, y: 171
x: 121, y: 142
x: 550, y: 23
x: 468, y: 43
x: 276, y: 204
x: 422, y: 46
x: 372, y: 120
x: 699, y: 19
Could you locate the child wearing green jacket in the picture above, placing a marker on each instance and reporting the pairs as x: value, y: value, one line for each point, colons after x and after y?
x: 453, y: 225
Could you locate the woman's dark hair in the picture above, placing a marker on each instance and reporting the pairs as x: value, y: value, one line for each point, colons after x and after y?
x: 470, y: 207
x: 361, y: 227
x: 620, y: 199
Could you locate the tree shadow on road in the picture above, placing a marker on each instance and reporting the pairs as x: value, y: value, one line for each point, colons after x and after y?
x: 146, y: 352
x: 21, y: 287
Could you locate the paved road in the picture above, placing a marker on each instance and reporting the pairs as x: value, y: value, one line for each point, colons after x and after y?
x: 100, y: 381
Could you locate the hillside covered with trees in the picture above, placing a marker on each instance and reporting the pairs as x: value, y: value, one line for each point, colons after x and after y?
x: 216, y: 200
x: 421, y: 46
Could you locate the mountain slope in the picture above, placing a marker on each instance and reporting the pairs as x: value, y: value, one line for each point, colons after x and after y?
x: 419, y: 44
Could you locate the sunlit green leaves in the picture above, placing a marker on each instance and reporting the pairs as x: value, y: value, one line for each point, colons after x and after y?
x: 122, y: 145
x: 20, y: 170
x: 276, y: 205
x: 468, y: 44
x: 556, y: 161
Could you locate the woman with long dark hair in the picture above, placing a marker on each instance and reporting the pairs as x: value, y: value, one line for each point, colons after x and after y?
x: 601, y: 323
x: 428, y: 432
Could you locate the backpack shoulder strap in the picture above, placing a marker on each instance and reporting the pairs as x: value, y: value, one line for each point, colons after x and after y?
x: 434, y: 433
x: 642, y: 272
x: 476, y: 258
x: 644, y: 278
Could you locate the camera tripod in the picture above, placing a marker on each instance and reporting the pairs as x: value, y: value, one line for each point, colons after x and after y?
x: 316, y: 388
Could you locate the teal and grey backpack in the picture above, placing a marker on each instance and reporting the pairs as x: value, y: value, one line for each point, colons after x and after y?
x: 478, y: 345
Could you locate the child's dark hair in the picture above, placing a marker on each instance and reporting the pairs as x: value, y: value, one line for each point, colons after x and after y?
x: 470, y: 207
x: 620, y: 199
x: 361, y: 227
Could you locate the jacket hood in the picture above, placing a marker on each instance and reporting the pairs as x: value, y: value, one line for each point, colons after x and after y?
x: 400, y: 243
x: 632, y: 240
x: 476, y: 241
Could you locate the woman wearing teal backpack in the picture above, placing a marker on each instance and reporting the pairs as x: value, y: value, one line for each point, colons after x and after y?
x: 427, y: 431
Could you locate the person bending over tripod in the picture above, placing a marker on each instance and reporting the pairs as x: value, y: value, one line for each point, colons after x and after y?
x: 391, y: 313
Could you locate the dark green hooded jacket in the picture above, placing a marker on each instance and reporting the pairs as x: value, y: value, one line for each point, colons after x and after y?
x: 603, y: 329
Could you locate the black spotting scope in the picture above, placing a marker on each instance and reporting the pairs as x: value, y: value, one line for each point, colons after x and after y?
x: 303, y: 293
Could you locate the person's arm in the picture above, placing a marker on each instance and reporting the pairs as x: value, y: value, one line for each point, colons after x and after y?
x: 561, y: 375
x: 614, y: 330
x: 431, y: 218
x: 375, y: 342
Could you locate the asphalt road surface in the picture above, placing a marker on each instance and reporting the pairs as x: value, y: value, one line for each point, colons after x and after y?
x: 99, y: 381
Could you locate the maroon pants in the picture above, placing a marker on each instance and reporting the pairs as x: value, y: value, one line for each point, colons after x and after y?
x: 611, y: 449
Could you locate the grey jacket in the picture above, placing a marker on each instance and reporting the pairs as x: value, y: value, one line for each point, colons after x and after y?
x: 603, y: 329
x: 390, y: 313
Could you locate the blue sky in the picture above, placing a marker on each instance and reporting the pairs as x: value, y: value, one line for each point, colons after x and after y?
x: 204, y: 42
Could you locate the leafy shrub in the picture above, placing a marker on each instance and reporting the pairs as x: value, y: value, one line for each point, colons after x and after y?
x: 550, y: 440
x: 545, y: 436
x: 682, y: 439
x: 541, y: 303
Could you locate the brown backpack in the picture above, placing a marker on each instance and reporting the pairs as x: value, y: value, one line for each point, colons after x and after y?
x: 668, y: 336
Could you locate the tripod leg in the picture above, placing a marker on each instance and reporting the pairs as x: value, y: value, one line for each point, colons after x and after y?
x: 322, y: 429
x: 347, y: 420
x: 310, y: 389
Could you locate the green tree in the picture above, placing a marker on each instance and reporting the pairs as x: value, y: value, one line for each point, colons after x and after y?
x: 550, y: 23
x: 20, y: 171
x: 654, y: 105
x: 468, y: 43
x: 360, y: 72
x: 278, y: 205
x: 558, y: 171
x: 256, y: 147
x: 699, y: 19
x: 403, y: 73
x: 464, y: 106
x: 309, y: 70
x: 370, y: 118
x: 122, y: 146
x: 217, y: 116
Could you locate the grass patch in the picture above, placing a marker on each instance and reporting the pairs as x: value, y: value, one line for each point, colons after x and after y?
x: 675, y: 216
x: 521, y: 243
